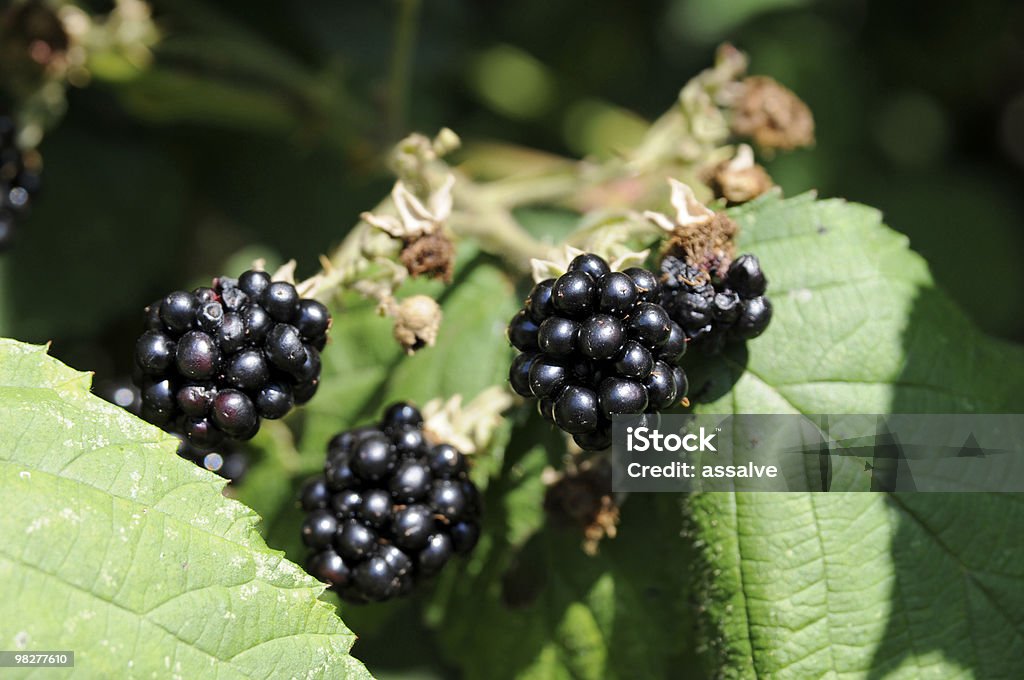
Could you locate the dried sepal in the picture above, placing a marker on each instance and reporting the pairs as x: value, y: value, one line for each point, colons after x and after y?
x: 286, y: 272
x: 629, y: 258
x: 415, y: 218
x: 468, y: 428
x: 552, y: 269
x: 688, y: 210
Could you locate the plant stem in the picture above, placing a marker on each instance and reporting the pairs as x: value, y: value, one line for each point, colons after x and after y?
x: 493, y: 226
x: 401, y: 66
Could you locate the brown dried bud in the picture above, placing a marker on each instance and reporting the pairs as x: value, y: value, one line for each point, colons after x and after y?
x: 431, y: 255
x: 739, y: 179
x: 583, y: 498
x: 772, y: 115
x: 417, y: 321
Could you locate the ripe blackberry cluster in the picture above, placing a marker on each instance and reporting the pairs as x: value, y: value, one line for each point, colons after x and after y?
x: 18, y: 184
x: 214, y: 361
x: 390, y: 509
x: 713, y: 311
x: 596, y: 343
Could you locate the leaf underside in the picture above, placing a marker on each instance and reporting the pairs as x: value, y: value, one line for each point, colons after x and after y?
x: 115, y: 548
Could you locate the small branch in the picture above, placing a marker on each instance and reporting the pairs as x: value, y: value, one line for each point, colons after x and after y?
x: 477, y: 216
x: 551, y: 188
x: 499, y: 234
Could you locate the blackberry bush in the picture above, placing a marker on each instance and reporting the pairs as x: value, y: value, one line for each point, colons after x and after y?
x: 390, y: 509
x: 213, y: 362
x: 715, y: 310
x: 18, y: 183
x: 596, y: 343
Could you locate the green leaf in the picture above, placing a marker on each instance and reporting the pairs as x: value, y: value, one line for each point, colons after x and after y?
x: 115, y: 548
x: 865, y: 584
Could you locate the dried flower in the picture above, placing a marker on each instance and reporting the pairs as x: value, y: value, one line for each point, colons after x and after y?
x: 415, y: 219
x: 771, y: 114
x: 417, y: 322
x: 432, y: 255
x: 468, y: 428
x: 738, y: 179
x: 689, y: 210
x: 582, y: 497
x: 702, y: 237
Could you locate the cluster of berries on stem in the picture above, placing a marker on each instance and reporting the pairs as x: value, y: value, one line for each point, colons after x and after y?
x: 596, y: 343
x: 390, y: 510
x: 213, y: 362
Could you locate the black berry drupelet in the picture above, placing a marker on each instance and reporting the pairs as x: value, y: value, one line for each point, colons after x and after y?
x: 18, y: 183
x: 212, y: 363
x: 713, y: 311
x: 596, y: 343
x: 389, y: 511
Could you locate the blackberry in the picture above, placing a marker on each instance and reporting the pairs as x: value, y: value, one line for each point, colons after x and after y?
x: 319, y: 529
x: 215, y: 361
x: 712, y: 311
x: 234, y: 413
x: 557, y: 336
x: 575, y: 410
x: 411, y: 481
x: 595, y: 343
x: 435, y: 554
x: 18, y: 182
x: 617, y: 293
x: 574, y: 293
x: 538, y: 304
x: 274, y: 401
x: 523, y: 332
x: 390, y: 510
x: 315, y: 494
x: 464, y: 537
x: 328, y: 565
x: 602, y: 336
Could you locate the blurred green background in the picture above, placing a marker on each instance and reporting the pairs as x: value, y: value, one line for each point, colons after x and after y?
x: 260, y: 128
